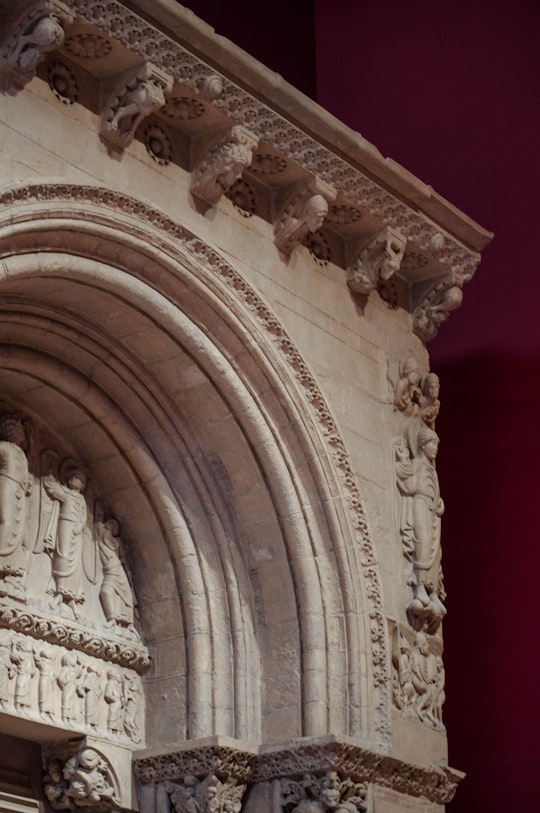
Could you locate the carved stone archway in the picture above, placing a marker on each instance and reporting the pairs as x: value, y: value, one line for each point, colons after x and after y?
x: 147, y: 352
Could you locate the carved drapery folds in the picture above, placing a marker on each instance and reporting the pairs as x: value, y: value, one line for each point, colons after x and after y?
x: 305, y: 214
x: 41, y: 30
x: 70, y: 649
x: 378, y: 261
x: 83, y: 781
x: 421, y: 508
x: 330, y: 792
x: 136, y: 95
x: 223, y: 165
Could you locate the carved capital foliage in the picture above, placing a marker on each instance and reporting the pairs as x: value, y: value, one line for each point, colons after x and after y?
x: 305, y: 214
x: 223, y: 165
x: 325, y: 793
x: 418, y: 676
x: 207, y: 795
x: 84, y: 780
x: 41, y: 30
x: 379, y: 260
x: 436, y: 307
x: 314, y: 775
x: 136, y: 95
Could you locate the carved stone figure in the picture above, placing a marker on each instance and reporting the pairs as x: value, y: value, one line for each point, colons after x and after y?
x: 132, y: 697
x: 305, y: 214
x: 55, y: 786
x: 403, y: 689
x: 407, y: 392
x: 15, y: 487
x: 89, y: 779
x: 114, y: 696
x: 223, y: 165
x: 418, y: 676
x: 420, y: 525
x: 435, y: 308
x: 68, y: 676
x: 115, y: 593
x: 91, y: 690
x: 208, y: 795
x: 22, y: 656
x: 140, y: 94
x: 320, y: 794
x: 429, y: 399
x: 45, y: 662
x: 6, y: 671
x: 67, y: 553
x: 379, y: 260
x: 41, y: 31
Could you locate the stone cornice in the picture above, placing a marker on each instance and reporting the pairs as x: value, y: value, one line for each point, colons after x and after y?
x: 217, y: 89
x: 229, y: 758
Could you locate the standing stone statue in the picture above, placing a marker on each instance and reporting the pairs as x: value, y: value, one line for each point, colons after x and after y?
x: 115, y: 593
x: 67, y: 551
x: 114, y: 696
x: 15, y: 487
x: 420, y: 526
x: 22, y: 656
x: 68, y: 676
x: 91, y: 691
x: 45, y: 662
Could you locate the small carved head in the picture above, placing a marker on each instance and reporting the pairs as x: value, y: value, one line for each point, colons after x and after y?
x: 76, y: 478
x: 314, y: 212
x: 409, y: 370
x: 12, y: 429
x: 428, y: 443
x: 431, y: 386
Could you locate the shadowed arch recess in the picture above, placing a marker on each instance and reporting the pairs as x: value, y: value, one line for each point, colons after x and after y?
x: 255, y: 574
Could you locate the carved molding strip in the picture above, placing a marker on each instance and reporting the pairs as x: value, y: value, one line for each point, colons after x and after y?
x: 437, y: 784
x: 243, y: 108
x: 298, y: 370
x: 74, y: 636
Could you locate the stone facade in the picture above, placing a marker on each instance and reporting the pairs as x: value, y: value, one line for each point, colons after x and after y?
x: 220, y: 551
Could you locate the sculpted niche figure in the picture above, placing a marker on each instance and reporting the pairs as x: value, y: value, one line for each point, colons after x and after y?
x: 15, y: 487
x: 115, y: 593
x: 70, y: 525
x: 420, y: 526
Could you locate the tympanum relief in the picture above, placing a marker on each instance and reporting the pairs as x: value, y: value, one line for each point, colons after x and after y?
x: 71, y: 653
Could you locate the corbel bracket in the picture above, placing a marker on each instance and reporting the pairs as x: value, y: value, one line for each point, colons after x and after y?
x: 305, y: 213
x: 223, y: 165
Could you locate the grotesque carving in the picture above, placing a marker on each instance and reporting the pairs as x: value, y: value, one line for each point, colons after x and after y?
x: 305, y: 214
x: 137, y: 96
x: 327, y: 793
x: 71, y: 523
x: 223, y: 166
x: 420, y: 525
x: 418, y: 676
x: 436, y: 307
x: 208, y: 795
x: 15, y: 486
x: 85, y: 780
x: 42, y: 30
x: 379, y: 260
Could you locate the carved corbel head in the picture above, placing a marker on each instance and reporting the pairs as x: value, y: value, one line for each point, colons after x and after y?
x: 41, y: 30
x: 136, y: 95
x: 379, y: 260
x: 223, y: 165
x: 436, y: 306
x: 305, y: 214
x: 78, y: 776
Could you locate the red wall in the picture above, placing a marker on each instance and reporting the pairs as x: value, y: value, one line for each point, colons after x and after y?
x: 451, y: 90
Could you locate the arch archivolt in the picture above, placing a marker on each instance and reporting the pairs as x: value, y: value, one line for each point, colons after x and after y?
x: 154, y: 359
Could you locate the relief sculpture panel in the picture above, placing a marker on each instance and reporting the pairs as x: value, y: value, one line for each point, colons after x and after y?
x: 71, y: 654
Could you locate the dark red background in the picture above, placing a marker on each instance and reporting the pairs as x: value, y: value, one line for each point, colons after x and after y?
x: 452, y: 91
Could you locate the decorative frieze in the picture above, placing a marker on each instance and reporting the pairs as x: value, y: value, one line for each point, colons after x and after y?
x: 137, y: 95
x: 379, y: 260
x: 223, y: 165
x: 41, y: 30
